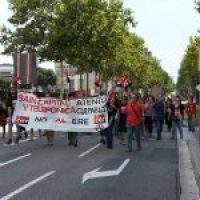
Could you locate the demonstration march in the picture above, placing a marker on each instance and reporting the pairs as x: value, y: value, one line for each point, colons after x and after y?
x: 99, y: 100
x: 129, y: 116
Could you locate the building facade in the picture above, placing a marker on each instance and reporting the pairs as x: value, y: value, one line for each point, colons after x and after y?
x: 68, y: 79
x: 25, y: 67
x: 6, y: 70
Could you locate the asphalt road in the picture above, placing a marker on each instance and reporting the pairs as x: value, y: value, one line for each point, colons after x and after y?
x: 35, y: 171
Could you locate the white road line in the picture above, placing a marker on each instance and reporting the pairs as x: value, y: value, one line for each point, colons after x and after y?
x: 20, y: 142
x: 14, y: 160
x: 26, y: 186
x: 89, y: 150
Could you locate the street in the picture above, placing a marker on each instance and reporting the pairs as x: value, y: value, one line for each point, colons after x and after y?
x: 99, y: 100
x: 33, y: 170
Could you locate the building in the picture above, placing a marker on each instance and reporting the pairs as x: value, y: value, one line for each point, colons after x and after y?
x: 70, y: 80
x: 25, y: 67
x: 6, y: 70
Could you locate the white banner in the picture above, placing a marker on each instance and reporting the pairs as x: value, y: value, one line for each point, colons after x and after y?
x: 78, y: 115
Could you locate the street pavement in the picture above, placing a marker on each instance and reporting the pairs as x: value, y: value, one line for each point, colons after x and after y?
x: 36, y: 171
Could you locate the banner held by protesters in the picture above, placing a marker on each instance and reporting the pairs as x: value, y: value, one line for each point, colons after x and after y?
x: 78, y: 115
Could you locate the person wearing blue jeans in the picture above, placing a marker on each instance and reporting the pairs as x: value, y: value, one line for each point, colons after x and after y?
x: 158, y: 115
x: 177, y: 124
x: 133, y: 131
x: 191, y: 110
x: 176, y: 116
x: 191, y: 124
x: 134, y: 113
x: 159, y: 126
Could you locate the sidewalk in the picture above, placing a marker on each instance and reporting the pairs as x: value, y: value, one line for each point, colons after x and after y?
x: 189, y: 166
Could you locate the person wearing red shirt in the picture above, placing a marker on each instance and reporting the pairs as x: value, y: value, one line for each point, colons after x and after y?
x: 191, y: 110
x: 134, y: 114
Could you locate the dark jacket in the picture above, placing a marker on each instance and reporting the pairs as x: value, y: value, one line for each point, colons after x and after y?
x: 158, y: 110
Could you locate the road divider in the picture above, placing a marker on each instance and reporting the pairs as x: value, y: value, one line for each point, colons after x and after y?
x: 89, y: 150
x: 14, y: 160
x: 26, y: 186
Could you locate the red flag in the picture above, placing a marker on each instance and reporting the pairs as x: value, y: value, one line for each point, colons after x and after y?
x: 98, y: 81
x: 18, y: 80
x: 123, y: 81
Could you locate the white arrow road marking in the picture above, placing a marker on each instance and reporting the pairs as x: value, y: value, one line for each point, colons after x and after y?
x: 26, y: 186
x: 89, y: 150
x: 95, y: 174
x: 14, y: 160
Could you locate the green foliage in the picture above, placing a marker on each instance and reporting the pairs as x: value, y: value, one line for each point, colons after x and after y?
x: 155, y: 75
x: 136, y: 62
x: 45, y: 77
x: 4, y: 83
x: 92, y: 35
x: 198, y: 5
x: 188, y: 73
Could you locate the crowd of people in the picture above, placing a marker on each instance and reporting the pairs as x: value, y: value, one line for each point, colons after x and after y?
x: 132, y: 118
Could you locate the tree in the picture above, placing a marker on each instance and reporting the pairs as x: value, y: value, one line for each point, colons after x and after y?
x: 92, y: 35
x: 136, y: 61
x: 85, y: 34
x: 45, y: 77
x: 4, y: 83
x: 198, y: 5
x: 188, y: 73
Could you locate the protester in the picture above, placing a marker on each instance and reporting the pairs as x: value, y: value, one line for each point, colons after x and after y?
x: 50, y: 136
x: 182, y: 108
x: 168, y: 119
x: 49, y: 133
x: 142, y: 126
x: 198, y: 118
x: 3, y: 118
x: 102, y: 134
x: 20, y: 130
x: 158, y: 115
x: 116, y: 105
x: 72, y: 136
x: 148, y: 115
x: 112, y: 110
x: 176, y: 118
x: 122, y: 120
x: 134, y: 114
x: 191, y: 111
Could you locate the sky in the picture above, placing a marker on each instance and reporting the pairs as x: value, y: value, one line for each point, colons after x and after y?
x: 165, y: 25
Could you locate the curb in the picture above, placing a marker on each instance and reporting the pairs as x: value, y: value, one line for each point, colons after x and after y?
x: 188, y: 187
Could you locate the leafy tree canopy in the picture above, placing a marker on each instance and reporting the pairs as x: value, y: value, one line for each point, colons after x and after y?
x: 92, y: 35
x: 45, y: 77
x: 188, y: 73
